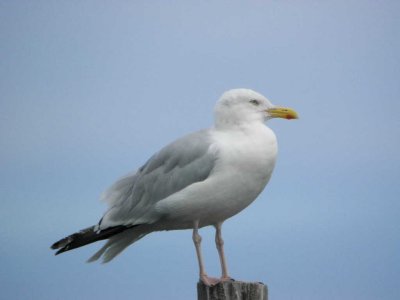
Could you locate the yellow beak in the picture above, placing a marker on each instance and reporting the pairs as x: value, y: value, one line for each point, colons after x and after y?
x: 282, y: 112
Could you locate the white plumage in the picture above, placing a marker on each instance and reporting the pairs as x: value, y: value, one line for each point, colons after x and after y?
x: 199, y: 180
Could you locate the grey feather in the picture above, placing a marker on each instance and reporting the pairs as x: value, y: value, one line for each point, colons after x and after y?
x: 178, y: 165
x: 116, y: 244
x: 132, y: 198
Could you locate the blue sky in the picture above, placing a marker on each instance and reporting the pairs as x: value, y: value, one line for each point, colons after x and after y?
x: 90, y: 89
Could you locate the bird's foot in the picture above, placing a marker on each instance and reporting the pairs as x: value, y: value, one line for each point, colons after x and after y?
x: 209, y: 281
x: 226, y: 278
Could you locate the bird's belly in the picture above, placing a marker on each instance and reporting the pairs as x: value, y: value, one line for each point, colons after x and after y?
x: 216, y: 199
x: 243, y: 169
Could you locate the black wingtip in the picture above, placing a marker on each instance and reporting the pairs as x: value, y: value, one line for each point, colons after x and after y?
x: 86, y: 236
x: 59, y: 245
x: 60, y: 251
x: 64, y: 242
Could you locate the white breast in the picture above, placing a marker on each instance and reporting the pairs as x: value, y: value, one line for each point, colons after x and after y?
x: 251, y: 152
x: 246, y: 159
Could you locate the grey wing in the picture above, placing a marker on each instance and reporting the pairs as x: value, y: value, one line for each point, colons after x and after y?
x: 178, y: 165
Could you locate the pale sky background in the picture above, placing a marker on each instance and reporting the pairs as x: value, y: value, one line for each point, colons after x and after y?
x: 91, y: 89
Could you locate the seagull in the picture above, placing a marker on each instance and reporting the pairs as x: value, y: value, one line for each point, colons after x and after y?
x: 199, y: 180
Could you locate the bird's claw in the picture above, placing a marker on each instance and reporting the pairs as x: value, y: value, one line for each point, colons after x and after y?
x: 211, y: 281
x: 226, y: 278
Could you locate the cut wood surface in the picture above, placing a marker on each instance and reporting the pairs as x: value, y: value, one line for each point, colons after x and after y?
x: 232, y: 290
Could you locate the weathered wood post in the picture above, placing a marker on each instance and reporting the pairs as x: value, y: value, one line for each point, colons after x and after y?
x: 232, y: 290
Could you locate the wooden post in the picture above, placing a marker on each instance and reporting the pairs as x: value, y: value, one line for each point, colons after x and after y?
x: 232, y: 290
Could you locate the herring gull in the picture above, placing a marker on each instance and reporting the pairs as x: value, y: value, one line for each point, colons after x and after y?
x: 198, y: 180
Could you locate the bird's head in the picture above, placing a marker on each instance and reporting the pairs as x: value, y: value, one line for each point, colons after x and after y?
x: 241, y: 106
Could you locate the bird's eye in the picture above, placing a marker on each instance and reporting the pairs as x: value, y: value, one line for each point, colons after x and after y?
x: 254, y: 102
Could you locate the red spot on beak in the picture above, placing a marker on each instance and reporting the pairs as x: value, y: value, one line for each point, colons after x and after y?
x: 289, y: 117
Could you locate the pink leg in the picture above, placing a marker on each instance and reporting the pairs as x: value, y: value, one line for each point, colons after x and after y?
x: 220, y: 247
x: 197, y: 242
